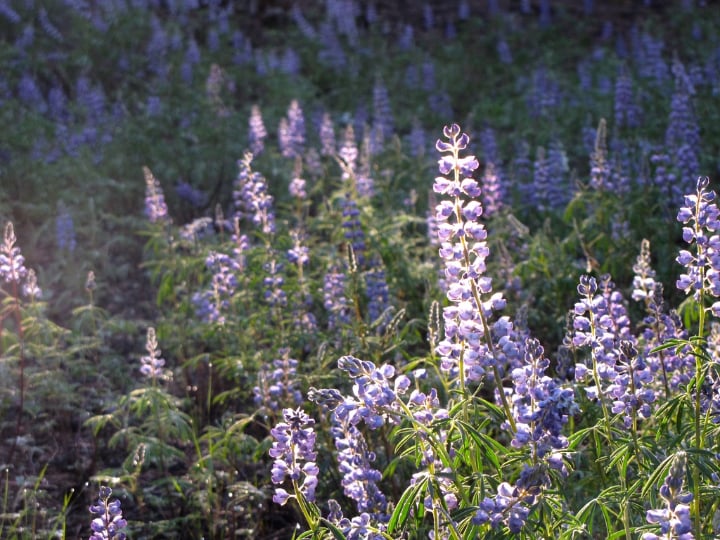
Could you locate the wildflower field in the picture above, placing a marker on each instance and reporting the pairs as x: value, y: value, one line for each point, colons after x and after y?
x: 357, y: 269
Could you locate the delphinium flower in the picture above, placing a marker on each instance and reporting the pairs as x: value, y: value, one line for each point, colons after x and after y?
x: 252, y: 200
x: 701, y: 219
x: 64, y: 229
x: 256, y: 131
x: 294, y: 453
x: 211, y: 303
x: 109, y: 523
x: 383, y: 120
x: 278, y: 385
x: 327, y: 136
x: 152, y: 365
x: 155, y: 208
x: 557, y: 190
x: 467, y: 350
x: 674, y: 520
x: 335, y: 300
x: 378, y: 295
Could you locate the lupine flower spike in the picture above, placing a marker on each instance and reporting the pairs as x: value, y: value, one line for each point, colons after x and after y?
x: 109, y: 522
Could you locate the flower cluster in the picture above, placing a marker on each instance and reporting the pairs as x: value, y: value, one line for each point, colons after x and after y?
x: 252, y: 200
x: 277, y: 386
x: 152, y: 364
x: 256, y: 131
x: 701, y: 216
x: 464, y: 249
x: 109, y: 522
x: 674, y: 519
x: 155, y: 208
x: 540, y: 406
x: 294, y: 453
x: 211, y: 303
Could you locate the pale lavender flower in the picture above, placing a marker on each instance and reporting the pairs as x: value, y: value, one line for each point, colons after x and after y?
x: 327, y: 136
x: 378, y: 295
x: 292, y: 131
x: 674, y: 520
x: 212, y: 302
x: 348, y: 152
x: 294, y: 452
x: 701, y: 218
x: 252, y: 200
x: 12, y: 263
x: 155, y: 208
x: 464, y: 249
x: 278, y: 385
x: 152, y: 365
x: 109, y: 522
x: 256, y: 132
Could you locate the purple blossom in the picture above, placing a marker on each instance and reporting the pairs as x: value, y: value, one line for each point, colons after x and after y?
x: 464, y: 249
x: 627, y: 112
x: 701, y: 218
x: 212, y: 302
x: 278, y: 385
x: 109, y: 522
x: 674, y: 519
x: 294, y: 453
x: 540, y: 406
x: 335, y: 300
x: 252, y: 200
x: 273, y: 282
x: 353, y: 228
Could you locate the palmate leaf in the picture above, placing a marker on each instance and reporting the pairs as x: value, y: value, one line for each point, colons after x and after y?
x: 490, y: 447
x: 408, y: 499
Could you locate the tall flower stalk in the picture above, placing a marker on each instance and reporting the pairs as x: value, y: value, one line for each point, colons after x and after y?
x: 467, y: 351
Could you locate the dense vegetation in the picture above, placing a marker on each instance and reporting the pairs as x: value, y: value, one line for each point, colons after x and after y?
x: 355, y: 269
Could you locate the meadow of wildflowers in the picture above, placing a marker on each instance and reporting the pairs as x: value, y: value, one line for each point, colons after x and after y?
x: 347, y: 269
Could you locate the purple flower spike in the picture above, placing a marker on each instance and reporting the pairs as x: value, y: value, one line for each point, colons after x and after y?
x: 294, y: 454
x: 109, y: 522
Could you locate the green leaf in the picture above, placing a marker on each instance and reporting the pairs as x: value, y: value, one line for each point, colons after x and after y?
x: 405, y: 504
